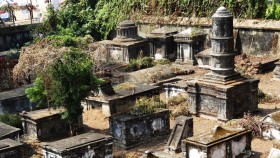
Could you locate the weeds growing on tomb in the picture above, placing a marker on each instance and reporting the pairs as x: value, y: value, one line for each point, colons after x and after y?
x: 146, y: 105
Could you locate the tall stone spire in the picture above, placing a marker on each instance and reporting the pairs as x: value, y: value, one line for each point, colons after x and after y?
x: 222, y: 54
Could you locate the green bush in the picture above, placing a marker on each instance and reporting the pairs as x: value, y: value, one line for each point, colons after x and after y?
x: 146, y: 105
x: 140, y: 63
x: 11, y: 119
x: 273, y: 11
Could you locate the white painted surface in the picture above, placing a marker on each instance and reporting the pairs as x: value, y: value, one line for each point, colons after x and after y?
x: 271, y: 133
x: 106, y: 109
x: 158, y: 56
x: 50, y: 155
x: 274, y: 153
x: 195, y: 153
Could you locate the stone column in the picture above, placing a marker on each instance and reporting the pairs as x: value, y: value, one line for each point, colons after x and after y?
x: 222, y: 54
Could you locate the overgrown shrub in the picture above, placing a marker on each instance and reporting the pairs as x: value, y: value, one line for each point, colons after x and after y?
x: 273, y: 10
x: 146, y: 105
x: 162, y: 62
x: 140, y: 63
x: 249, y: 122
x: 178, y: 105
x: 262, y: 97
x: 11, y: 119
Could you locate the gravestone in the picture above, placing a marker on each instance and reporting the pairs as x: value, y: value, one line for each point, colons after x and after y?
x: 10, y: 148
x: 87, y: 145
x: 221, y: 142
x: 222, y: 94
x: 182, y: 129
x: 162, y: 43
x: 7, y: 131
x: 189, y: 43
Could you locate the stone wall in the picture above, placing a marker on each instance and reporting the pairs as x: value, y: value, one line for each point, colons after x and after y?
x: 15, y: 36
x: 257, y: 37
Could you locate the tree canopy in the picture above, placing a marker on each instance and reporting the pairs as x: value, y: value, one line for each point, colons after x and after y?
x: 67, y: 81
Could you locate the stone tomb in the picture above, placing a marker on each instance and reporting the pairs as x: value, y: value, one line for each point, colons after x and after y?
x: 277, y: 71
x: 130, y: 130
x: 189, y: 43
x: 220, y: 143
x: 162, y: 43
x: 7, y: 131
x: 118, y: 101
x: 88, y: 145
x: 272, y: 123
x: 46, y: 124
x: 10, y: 148
x: 127, y: 44
x: 203, y: 58
x: 15, y: 101
x: 175, y: 88
x: 222, y: 94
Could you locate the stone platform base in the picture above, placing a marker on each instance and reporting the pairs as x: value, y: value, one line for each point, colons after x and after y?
x: 223, y: 100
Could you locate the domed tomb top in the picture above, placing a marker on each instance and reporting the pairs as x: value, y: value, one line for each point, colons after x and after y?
x: 190, y: 32
x: 127, y: 32
x: 222, y: 12
x: 127, y: 23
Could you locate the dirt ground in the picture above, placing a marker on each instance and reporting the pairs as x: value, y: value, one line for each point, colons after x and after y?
x: 96, y: 121
x: 260, y: 147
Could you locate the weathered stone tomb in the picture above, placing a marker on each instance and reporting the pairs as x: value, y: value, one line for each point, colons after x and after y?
x: 15, y: 101
x: 46, y: 124
x: 10, y: 148
x: 130, y: 130
x: 162, y: 43
x: 189, y: 43
x: 220, y: 143
x: 127, y: 44
x: 120, y: 100
x: 86, y: 145
x: 7, y: 131
x: 222, y: 94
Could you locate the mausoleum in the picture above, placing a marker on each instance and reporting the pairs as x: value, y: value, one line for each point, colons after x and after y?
x: 223, y: 93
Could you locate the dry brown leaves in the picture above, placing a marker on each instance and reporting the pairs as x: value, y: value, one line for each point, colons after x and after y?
x: 36, y: 58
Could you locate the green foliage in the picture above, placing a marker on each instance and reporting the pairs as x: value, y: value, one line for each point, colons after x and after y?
x: 146, y: 105
x: 38, y: 92
x: 99, y: 17
x: 11, y: 119
x: 72, y: 80
x: 273, y: 11
x: 140, y: 63
x: 67, y: 81
x: 69, y: 41
x: 162, y: 62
